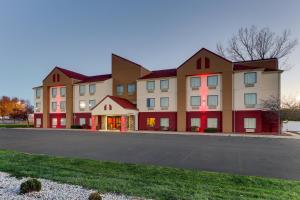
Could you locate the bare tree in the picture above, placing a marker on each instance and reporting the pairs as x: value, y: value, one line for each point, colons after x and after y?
x: 273, y: 107
x: 253, y: 43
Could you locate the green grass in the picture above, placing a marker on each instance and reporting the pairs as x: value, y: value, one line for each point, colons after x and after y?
x: 146, y: 181
x: 16, y: 126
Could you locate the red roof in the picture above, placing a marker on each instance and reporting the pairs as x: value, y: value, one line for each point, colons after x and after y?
x: 161, y: 73
x: 96, y: 78
x: 244, y: 67
x: 72, y: 74
x: 123, y: 102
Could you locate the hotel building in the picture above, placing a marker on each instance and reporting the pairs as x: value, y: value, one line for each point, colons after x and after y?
x: 205, y: 92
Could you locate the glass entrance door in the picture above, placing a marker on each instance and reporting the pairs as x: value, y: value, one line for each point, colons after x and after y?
x: 114, y: 122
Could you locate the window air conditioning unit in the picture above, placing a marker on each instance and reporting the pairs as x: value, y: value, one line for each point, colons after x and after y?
x: 212, y: 107
x: 250, y: 130
x: 249, y: 84
x: 212, y: 87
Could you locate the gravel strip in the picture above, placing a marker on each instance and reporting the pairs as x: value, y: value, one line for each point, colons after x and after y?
x: 10, y: 186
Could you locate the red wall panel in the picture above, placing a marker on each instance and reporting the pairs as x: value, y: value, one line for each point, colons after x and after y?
x: 35, y: 116
x: 142, y: 121
x: 77, y: 117
x: 203, y: 115
x: 58, y: 116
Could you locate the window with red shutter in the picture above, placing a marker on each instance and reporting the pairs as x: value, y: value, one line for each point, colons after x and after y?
x: 207, y: 62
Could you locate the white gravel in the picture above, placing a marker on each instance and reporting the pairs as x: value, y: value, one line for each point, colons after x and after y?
x: 10, y: 187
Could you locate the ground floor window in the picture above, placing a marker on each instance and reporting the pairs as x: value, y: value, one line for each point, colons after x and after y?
x: 249, y: 123
x: 164, y: 122
x: 151, y: 122
x: 212, y: 123
x: 195, y: 122
x: 63, y: 121
x: 38, y: 122
x: 54, y: 122
x: 82, y: 121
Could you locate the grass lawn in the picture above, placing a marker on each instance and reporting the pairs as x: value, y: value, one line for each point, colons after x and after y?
x: 146, y: 181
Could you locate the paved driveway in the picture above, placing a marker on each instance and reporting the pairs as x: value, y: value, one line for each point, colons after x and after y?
x: 268, y: 157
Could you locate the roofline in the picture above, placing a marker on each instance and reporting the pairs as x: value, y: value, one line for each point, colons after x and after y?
x: 58, y: 68
x: 37, y: 87
x: 205, y: 50
x: 111, y: 99
x: 113, y: 54
x: 257, y: 60
x: 82, y: 82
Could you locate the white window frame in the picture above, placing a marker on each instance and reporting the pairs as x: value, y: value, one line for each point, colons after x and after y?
x: 249, y: 123
x: 149, y: 106
x: 212, y: 122
x: 193, y: 120
x: 90, y: 105
x: 193, y: 82
x: 246, y: 80
x: 82, y: 121
x: 119, y: 86
x: 81, y: 90
x: 63, y: 121
x: 164, y: 120
x: 38, y: 122
x: 161, y: 102
x: 53, y: 92
x: 213, y: 76
x: 131, y: 85
x: 209, y: 100
x: 245, y: 99
x: 191, y: 100
x: 148, y: 84
x: 81, y: 103
x: 38, y: 93
x: 53, y: 108
x: 62, y: 90
x: 162, y: 87
x: 92, y: 88
x: 54, y: 125
x: 60, y: 105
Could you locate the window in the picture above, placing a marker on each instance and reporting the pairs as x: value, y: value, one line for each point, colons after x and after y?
x: 63, y: 92
x: 212, y: 123
x: 199, y: 63
x: 57, y: 77
x: 164, y: 122
x: 38, y: 93
x: 81, y: 90
x: 54, y: 92
x: 62, y: 106
x: 250, y: 78
x: 131, y: 88
x: 195, y: 122
x: 150, y: 85
x: 151, y: 122
x: 92, y: 104
x: 53, y: 78
x: 54, y: 122
x: 38, y: 122
x: 207, y: 62
x: 82, y: 105
x: 212, y: 81
x: 164, y: 85
x: 92, y: 88
x: 212, y: 100
x: 164, y: 102
x: 195, y: 100
x: 150, y: 102
x: 53, y: 106
x: 250, y: 123
x: 195, y: 82
x: 37, y: 107
x: 63, y: 121
x: 120, y: 89
x: 82, y: 121
x: 250, y: 99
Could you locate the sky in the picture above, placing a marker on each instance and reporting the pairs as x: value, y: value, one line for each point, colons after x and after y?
x: 37, y: 35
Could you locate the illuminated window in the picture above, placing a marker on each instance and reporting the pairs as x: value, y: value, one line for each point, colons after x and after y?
x: 195, y: 82
x: 250, y: 99
x: 195, y: 122
x: 212, y: 81
x: 150, y: 85
x: 81, y: 90
x: 195, y: 100
x: 164, y: 85
x: 212, y: 123
x: 164, y: 102
x: 53, y: 106
x: 62, y: 106
x: 131, y: 88
x: 63, y: 92
x: 92, y: 88
x: 164, y: 122
x: 250, y: 123
x: 150, y: 102
x: 212, y: 100
x: 120, y: 89
x: 63, y: 121
x: 82, y: 105
x: 250, y: 78
x: 150, y: 122
x: 54, y: 92
x: 92, y: 104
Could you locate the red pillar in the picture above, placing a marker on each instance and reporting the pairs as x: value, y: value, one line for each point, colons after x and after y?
x: 123, y: 123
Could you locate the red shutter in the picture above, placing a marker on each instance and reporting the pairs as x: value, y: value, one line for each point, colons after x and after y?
x: 199, y: 63
x: 207, y: 62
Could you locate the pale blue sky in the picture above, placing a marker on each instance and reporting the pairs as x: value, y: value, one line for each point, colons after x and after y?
x: 36, y: 35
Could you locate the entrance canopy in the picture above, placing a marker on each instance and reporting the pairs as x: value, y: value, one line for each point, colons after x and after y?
x: 111, y: 105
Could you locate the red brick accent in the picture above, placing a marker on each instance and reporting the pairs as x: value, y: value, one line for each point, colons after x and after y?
x: 203, y: 115
x: 142, y: 121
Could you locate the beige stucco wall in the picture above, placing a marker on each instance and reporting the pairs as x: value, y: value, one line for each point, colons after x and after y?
x: 143, y: 94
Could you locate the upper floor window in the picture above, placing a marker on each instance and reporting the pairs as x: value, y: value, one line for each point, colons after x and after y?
x: 164, y: 102
x: 53, y: 106
x: 212, y: 81
x: 38, y: 92
x: 212, y: 100
x: 120, y: 89
x: 131, y: 88
x: 63, y: 106
x: 195, y: 82
x: 250, y: 123
x: 82, y: 105
x: 81, y: 90
x: 54, y: 92
x: 150, y: 86
x: 150, y: 102
x: 92, y: 88
x: 250, y: 78
x: 63, y: 92
x: 207, y: 62
x: 92, y: 104
x: 37, y: 107
x: 250, y: 99
x: 164, y: 85
x: 195, y: 100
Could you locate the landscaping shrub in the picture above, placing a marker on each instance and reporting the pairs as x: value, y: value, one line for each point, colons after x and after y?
x: 95, y: 196
x: 30, y: 185
x: 164, y: 128
x: 211, y: 130
x: 76, y: 127
x: 195, y: 129
x: 16, y: 126
x: 85, y: 126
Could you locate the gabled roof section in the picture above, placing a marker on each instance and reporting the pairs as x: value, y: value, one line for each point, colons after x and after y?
x: 127, y: 60
x: 71, y: 74
x: 161, y: 73
x: 204, y: 49
x: 96, y: 78
x: 270, y: 64
x: 124, y: 103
